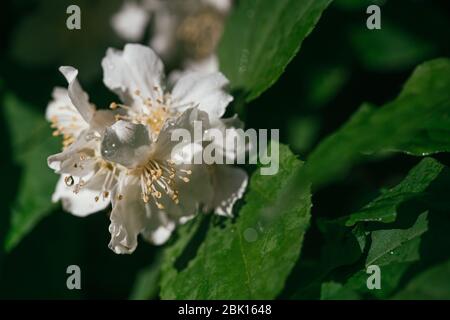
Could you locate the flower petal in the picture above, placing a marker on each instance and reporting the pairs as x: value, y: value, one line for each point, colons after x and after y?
x: 233, y: 144
x: 78, y: 159
x: 126, y: 143
x: 229, y: 185
x: 131, y: 216
x: 204, y: 66
x: 131, y: 21
x: 203, y: 91
x: 166, y: 145
x: 80, y: 204
x: 127, y: 216
x: 78, y: 96
x: 63, y: 114
x: 158, y: 228
x: 221, y: 5
x: 134, y: 73
x: 164, y: 40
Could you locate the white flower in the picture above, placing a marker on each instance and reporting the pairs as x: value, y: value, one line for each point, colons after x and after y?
x: 186, y: 29
x: 129, y: 156
x: 86, y: 179
x: 131, y: 21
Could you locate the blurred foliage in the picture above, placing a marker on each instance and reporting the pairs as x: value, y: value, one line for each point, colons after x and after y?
x: 32, y: 142
x: 41, y: 38
x: 416, y: 122
x: 366, y: 207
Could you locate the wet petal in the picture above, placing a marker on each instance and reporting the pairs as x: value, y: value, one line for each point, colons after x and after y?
x: 126, y: 143
x: 82, y: 203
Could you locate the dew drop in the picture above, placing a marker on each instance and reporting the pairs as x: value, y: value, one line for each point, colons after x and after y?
x: 69, y: 181
x: 250, y: 235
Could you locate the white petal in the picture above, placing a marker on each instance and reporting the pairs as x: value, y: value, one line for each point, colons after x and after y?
x: 136, y: 69
x: 127, y: 216
x: 131, y: 216
x: 204, y: 66
x: 63, y: 114
x: 69, y: 161
x: 126, y: 143
x: 131, y: 21
x: 221, y: 5
x: 204, y: 91
x: 78, y: 96
x: 192, y: 195
x: 234, y: 143
x: 164, y: 40
x: 229, y: 185
x: 80, y: 204
x: 166, y: 148
x: 158, y: 228
x: 196, y: 193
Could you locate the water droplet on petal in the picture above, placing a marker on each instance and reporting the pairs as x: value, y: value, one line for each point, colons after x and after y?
x: 69, y: 181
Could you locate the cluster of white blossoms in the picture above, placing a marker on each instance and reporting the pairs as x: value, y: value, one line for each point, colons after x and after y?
x: 187, y: 30
x: 124, y: 155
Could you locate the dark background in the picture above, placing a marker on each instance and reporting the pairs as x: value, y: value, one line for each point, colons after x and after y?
x: 340, y: 65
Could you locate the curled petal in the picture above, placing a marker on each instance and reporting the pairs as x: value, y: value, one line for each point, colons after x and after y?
x: 78, y: 96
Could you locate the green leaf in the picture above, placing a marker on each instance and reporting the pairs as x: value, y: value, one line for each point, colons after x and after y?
x: 32, y: 143
x: 409, y: 239
x: 393, y: 250
x: 384, y: 208
x: 246, y: 259
x: 261, y: 37
x: 430, y: 284
x: 397, y: 245
x: 416, y: 122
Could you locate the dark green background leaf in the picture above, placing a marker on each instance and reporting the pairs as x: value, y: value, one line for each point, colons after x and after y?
x: 261, y: 38
x: 417, y: 122
x: 32, y: 143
